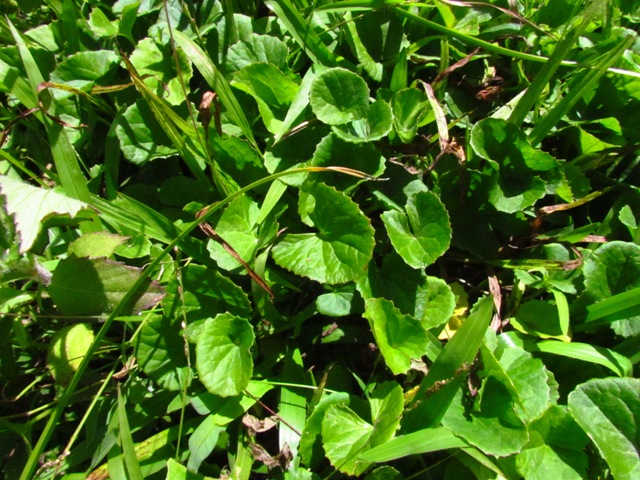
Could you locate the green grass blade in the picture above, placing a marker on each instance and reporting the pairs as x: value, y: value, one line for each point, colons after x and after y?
x: 293, y: 404
x: 126, y: 442
x: 416, y: 443
x: 619, y: 307
x: 64, y: 155
x: 304, y: 36
x: 448, y: 371
x: 217, y: 82
x: 615, y: 362
x: 560, y: 52
x: 583, y: 82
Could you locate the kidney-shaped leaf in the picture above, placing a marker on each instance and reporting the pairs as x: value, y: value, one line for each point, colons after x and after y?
x: 608, y: 410
x: 422, y: 233
x: 94, y: 286
x: 223, y: 356
x: 375, y: 125
x: 343, y: 246
x: 339, y: 96
x: 68, y: 347
x: 400, y: 338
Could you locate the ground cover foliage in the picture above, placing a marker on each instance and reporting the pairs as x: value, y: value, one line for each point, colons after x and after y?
x: 301, y: 240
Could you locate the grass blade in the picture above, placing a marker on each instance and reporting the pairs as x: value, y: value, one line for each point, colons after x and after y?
x: 447, y: 373
x: 577, y: 88
x: 618, y: 307
x: 126, y: 442
x: 304, y: 36
x: 422, y: 441
x: 615, y: 362
x: 217, y: 82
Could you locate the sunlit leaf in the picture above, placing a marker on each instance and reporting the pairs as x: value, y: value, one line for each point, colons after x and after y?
x: 223, y: 356
x: 339, y: 96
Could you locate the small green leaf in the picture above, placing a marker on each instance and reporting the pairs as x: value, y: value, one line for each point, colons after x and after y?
x: 30, y: 205
x: 176, y: 471
x: 421, y: 234
x: 375, y: 125
x: 492, y: 425
x: 89, y: 65
x: 257, y: 49
x: 272, y: 90
x: 343, y: 246
x: 410, y: 108
x: 160, y: 351
x: 156, y: 65
x: 400, y: 338
x: 339, y: 96
x: 84, y: 286
x: 99, y: 244
x: 607, y: 409
x: 67, y: 349
x: 141, y: 138
x: 387, y: 404
x: 237, y: 226
x: 345, y: 435
x: 223, y: 355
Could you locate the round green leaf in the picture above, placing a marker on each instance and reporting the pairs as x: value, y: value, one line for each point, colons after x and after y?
x: 374, y: 126
x: 400, y: 338
x: 223, y: 356
x: 421, y: 234
x: 160, y: 353
x: 339, y: 96
x: 68, y: 347
x: 343, y: 246
x: 607, y: 409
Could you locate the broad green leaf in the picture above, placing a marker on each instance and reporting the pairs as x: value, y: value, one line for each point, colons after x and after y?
x: 345, y: 435
x: 156, y: 65
x: 539, y: 318
x: 543, y: 462
x: 223, y: 354
x: 160, y: 351
x: 238, y: 160
x: 67, y: 348
x: 492, y: 424
x: 88, y: 65
x: 387, y: 404
x: 427, y: 299
x: 237, y: 226
x: 310, y: 447
x: 338, y: 96
x: 30, y: 205
x: 399, y: 337
x: 336, y: 152
x: 376, y: 124
x: 94, y: 286
x: 272, y: 90
x: 374, y: 69
x: 558, y: 449
x: 99, y: 244
x: 203, y: 292
x: 422, y: 233
x: 524, y: 377
x: 224, y: 410
x: 519, y: 181
x: 612, y: 269
x: 257, y: 49
x: 418, y: 442
x: 607, y: 409
x: 410, y: 108
x: 343, y: 246
x: 141, y: 138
